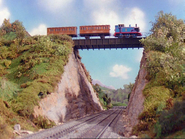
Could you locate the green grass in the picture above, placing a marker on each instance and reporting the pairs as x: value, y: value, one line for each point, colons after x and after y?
x: 155, y: 98
x: 10, y: 36
x: 8, y: 89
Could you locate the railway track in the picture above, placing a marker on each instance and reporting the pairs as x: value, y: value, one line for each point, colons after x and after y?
x: 98, y: 130
x: 92, y: 126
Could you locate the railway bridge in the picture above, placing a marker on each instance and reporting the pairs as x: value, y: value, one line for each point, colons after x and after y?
x: 107, y: 43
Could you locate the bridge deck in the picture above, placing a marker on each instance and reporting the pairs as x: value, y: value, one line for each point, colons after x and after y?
x: 107, y: 43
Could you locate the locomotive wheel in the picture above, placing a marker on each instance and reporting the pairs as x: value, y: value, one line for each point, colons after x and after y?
x: 133, y: 35
x: 127, y: 36
x: 120, y: 36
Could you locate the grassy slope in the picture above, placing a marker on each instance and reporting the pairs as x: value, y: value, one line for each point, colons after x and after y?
x: 164, y: 111
x: 28, y: 72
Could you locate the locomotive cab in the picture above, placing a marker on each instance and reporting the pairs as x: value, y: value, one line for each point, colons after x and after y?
x: 137, y: 29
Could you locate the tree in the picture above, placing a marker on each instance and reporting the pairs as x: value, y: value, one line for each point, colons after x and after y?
x: 6, y: 26
x: 130, y: 87
x: 19, y: 30
x: 16, y: 27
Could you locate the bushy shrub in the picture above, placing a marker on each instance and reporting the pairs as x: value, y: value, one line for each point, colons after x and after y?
x: 7, y: 63
x: 5, y: 130
x: 43, y: 122
x: 156, y: 96
x: 3, y: 70
x: 165, y: 69
x: 171, y: 120
x: 25, y: 102
x: 155, y: 102
x: 4, y: 52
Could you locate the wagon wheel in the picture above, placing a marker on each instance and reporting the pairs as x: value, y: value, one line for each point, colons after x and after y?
x: 102, y: 37
x: 87, y: 37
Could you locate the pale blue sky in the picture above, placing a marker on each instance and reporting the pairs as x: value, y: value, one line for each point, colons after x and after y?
x: 111, y: 67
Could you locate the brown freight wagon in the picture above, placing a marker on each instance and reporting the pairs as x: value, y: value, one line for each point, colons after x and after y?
x: 71, y: 31
x: 95, y: 30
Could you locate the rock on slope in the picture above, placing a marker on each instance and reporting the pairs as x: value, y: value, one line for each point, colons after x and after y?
x: 135, y: 105
x: 74, y: 96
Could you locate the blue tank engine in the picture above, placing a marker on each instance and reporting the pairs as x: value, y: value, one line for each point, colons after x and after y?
x: 126, y: 32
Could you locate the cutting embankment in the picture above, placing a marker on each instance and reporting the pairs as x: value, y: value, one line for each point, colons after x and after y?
x: 156, y: 106
x: 42, y: 81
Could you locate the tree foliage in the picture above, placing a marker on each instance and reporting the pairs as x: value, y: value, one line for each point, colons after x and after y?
x: 104, y: 98
x: 6, y: 27
x: 17, y: 27
x: 168, y: 34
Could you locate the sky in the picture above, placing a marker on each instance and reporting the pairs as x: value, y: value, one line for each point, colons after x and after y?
x: 111, y: 67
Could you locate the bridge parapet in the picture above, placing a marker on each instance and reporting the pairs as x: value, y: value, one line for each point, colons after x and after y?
x: 107, y: 43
